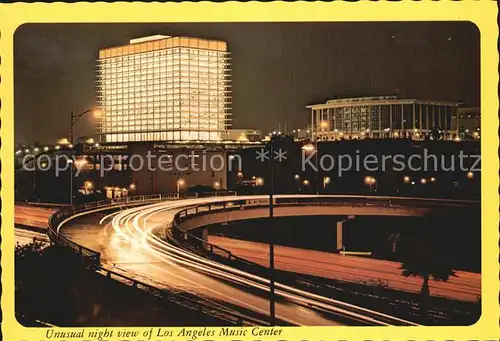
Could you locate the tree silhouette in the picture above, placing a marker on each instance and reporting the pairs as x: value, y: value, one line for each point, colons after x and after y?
x: 424, y: 259
x: 393, y: 238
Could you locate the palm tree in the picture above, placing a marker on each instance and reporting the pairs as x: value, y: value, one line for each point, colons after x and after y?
x: 423, y: 260
x: 393, y: 238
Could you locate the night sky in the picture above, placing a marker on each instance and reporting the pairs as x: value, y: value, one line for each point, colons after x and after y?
x: 278, y: 69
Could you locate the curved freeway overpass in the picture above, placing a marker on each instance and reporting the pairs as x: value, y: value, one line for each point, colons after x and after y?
x: 127, y: 244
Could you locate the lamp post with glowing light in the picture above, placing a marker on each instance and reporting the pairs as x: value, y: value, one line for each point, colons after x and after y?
x: 306, y: 183
x: 216, y: 185
x: 326, y: 181
x: 180, y: 183
x: 239, y: 176
x: 310, y: 148
x: 76, y: 118
x: 70, y: 162
x: 297, y: 179
x: 272, y: 298
x: 370, y: 181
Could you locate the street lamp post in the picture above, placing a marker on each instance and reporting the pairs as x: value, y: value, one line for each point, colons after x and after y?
x: 297, y: 178
x: 306, y: 184
x: 310, y: 148
x: 370, y: 181
x: 180, y: 182
x: 239, y: 176
x: 70, y: 162
x: 317, y: 168
x: 272, y: 304
x: 75, y: 118
x: 326, y: 181
x: 34, y: 182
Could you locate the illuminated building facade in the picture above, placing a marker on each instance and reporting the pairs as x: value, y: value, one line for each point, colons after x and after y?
x: 243, y: 135
x: 469, y: 123
x: 382, y: 117
x: 164, y: 88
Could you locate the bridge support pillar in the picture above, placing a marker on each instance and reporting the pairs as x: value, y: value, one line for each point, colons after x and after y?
x: 204, y: 236
x: 340, y: 241
x: 340, y: 233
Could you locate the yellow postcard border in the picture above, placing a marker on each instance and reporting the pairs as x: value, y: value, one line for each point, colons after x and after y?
x: 482, y: 13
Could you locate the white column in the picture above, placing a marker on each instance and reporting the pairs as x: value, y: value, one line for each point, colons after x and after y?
x: 420, y: 119
x: 379, y: 121
x: 390, y: 117
x: 328, y: 118
x: 439, y: 117
x: 445, y: 124
x: 413, y: 118
x: 427, y: 117
x: 318, y: 121
x: 433, y: 116
x: 402, y: 119
x: 312, y: 123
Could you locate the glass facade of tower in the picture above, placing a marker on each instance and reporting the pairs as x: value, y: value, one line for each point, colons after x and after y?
x: 164, y: 88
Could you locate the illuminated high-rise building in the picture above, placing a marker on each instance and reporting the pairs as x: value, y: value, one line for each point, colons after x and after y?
x: 163, y: 88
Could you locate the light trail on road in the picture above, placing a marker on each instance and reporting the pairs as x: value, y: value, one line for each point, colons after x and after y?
x: 33, y: 216
x: 137, y: 261
x: 132, y: 236
x: 466, y: 286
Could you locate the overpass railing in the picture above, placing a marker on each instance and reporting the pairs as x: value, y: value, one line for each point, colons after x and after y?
x: 188, y: 301
x: 353, y: 200
x: 91, y: 258
x: 190, y: 240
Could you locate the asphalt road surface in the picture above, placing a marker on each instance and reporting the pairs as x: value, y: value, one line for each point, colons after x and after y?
x: 124, y: 249
x: 23, y: 237
x: 33, y: 216
x: 465, y: 287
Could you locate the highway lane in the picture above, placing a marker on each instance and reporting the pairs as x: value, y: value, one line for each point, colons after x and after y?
x: 23, y: 236
x: 126, y: 244
x: 127, y: 251
x: 33, y: 216
x: 466, y: 286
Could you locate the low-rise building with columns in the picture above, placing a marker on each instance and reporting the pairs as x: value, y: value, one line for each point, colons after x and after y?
x: 382, y: 117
